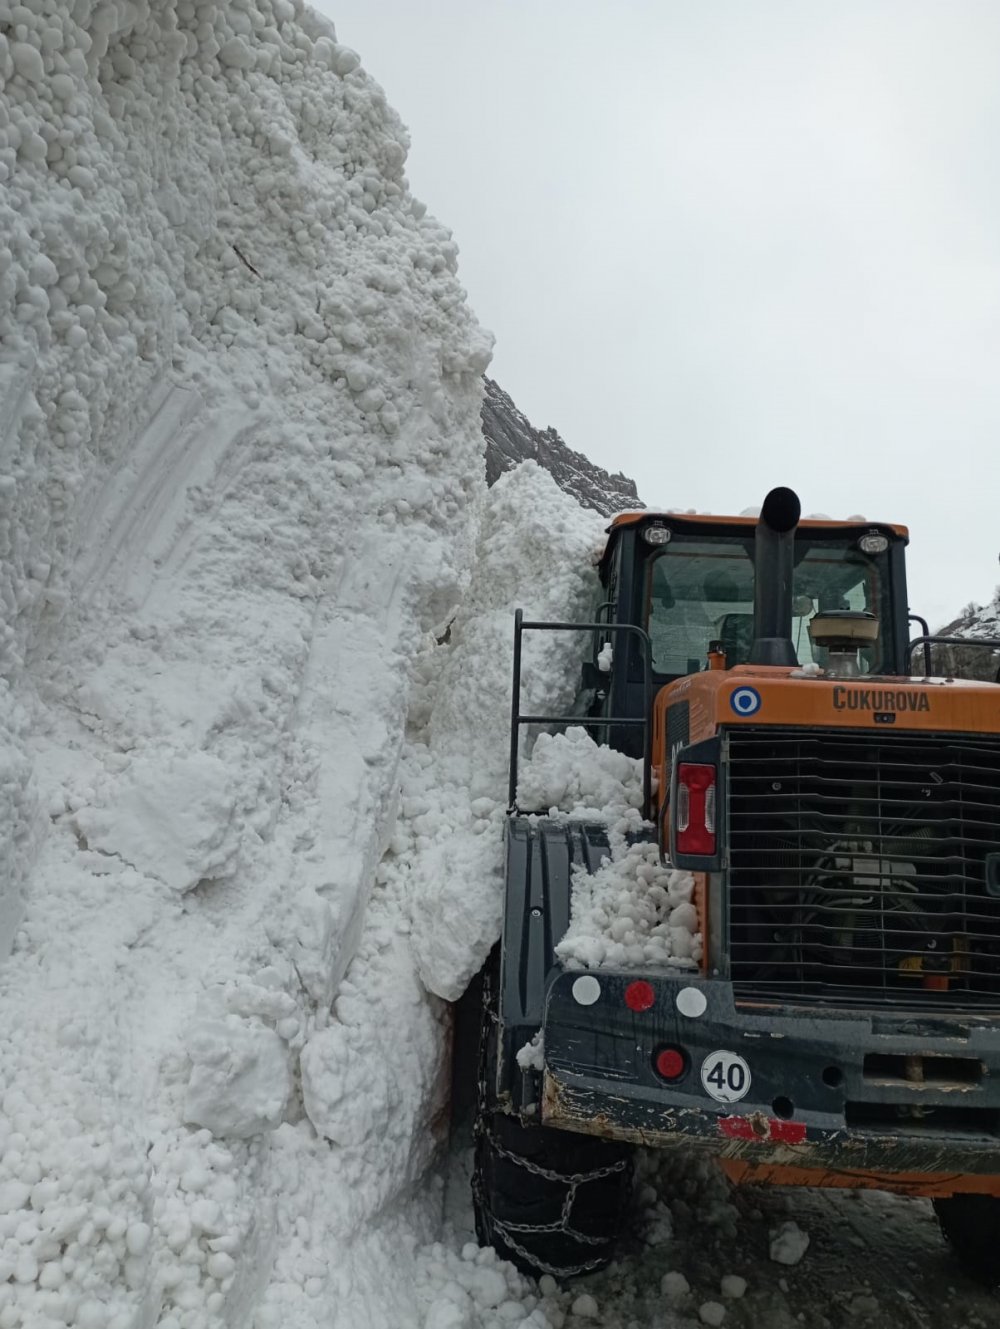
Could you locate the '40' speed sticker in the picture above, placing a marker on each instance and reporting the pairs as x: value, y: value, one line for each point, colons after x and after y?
x: 725, y: 1076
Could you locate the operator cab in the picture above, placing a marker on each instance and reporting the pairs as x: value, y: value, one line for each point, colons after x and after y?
x: 689, y: 582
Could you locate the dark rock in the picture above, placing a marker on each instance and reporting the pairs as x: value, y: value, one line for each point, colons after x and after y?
x: 511, y: 439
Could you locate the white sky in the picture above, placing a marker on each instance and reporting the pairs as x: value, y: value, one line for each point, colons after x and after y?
x: 727, y: 244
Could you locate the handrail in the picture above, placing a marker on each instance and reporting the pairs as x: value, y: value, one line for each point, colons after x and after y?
x: 917, y: 618
x: 926, y: 641
x: 586, y: 721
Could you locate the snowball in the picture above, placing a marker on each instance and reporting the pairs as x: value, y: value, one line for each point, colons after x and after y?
x: 674, y: 1285
x: 788, y: 1243
x: 732, y: 1285
x: 711, y: 1312
x: 585, y: 1307
x: 236, y: 54
x: 346, y: 61
x: 532, y: 1055
x: 28, y: 61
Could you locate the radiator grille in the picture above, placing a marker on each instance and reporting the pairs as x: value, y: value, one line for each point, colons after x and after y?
x: 858, y: 866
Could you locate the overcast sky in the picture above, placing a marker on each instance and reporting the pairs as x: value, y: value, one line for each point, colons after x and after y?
x: 724, y: 245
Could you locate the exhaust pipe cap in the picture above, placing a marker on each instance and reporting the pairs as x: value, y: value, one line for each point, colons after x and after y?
x: 782, y: 509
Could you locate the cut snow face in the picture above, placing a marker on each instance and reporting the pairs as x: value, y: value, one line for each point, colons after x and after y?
x: 537, y: 551
x: 242, y: 470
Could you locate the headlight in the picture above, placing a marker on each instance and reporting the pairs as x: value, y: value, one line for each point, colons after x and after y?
x: 657, y: 535
x: 873, y: 544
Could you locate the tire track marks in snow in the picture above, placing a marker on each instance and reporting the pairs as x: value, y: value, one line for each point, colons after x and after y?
x: 136, y: 526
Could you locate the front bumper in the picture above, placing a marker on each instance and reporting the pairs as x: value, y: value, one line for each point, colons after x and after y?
x: 903, y: 1100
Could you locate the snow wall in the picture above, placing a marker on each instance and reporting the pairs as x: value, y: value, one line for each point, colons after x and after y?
x: 240, y: 487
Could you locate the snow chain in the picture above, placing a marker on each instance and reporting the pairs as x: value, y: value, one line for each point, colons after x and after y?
x: 572, y: 1181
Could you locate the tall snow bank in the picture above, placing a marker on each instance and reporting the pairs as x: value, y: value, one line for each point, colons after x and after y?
x: 241, y: 470
x: 537, y: 551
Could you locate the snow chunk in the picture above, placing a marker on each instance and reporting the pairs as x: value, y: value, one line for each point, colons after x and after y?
x: 532, y: 1055
x: 240, y: 1080
x: 570, y: 773
x: 732, y: 1285
x: 28, y: 61
x: 788, y: 1243
x: 674, y: 1285
x: 172, y: 819
x: 711, y: 1312
x: 585, y: 1307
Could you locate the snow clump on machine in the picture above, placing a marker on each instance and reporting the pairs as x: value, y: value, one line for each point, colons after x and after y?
x: 632, y: 912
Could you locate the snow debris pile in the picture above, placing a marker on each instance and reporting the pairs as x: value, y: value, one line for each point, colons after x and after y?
x: 570, y: 773
x: 632, y: 912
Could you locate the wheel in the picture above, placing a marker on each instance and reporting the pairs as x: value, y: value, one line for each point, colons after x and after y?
x: 550, y: 1201
x: 970, y: 1224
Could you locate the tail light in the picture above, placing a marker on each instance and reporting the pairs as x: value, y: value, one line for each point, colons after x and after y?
x: 694, y: 810
x: 671, y: 1063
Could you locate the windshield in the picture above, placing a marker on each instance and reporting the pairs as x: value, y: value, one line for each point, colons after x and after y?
x: 702, y: 590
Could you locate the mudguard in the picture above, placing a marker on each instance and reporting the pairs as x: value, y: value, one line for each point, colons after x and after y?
x: 541, y: 854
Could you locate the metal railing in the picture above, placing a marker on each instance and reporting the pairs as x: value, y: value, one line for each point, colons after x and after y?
x: 585, y: 721
x: 927, y: 641
x: 918, y: 618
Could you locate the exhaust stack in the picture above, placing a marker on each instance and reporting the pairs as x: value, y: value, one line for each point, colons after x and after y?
x: 774, y: 565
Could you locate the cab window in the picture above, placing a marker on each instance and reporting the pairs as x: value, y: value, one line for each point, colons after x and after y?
x: 700, y: 591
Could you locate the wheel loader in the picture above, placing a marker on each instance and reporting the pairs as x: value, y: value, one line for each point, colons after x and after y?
x: 838, y: 806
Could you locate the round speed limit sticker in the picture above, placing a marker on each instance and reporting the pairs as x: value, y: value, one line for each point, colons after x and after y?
x: 725, y: 1076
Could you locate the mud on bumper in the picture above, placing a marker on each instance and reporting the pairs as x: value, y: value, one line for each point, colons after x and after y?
x: 832, y: 1095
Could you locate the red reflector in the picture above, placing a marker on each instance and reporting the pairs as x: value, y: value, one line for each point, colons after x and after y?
x: 671, y: 1063
x: 639, y: 996
x: 788, y: 1132
x: 694, y: 817
x: 762, y: 1129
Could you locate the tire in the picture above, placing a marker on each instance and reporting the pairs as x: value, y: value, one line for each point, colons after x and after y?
x: 971, y: 1226
x: 550, y: 1201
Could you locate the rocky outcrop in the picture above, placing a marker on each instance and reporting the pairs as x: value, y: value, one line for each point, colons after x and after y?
x: 511, y: 438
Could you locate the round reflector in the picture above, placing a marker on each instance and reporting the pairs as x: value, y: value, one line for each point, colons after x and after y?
x: 639, y: 996
x: 670, y: 1063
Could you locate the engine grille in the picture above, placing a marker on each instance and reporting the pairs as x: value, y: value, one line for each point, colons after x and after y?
x: 858, y: 867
